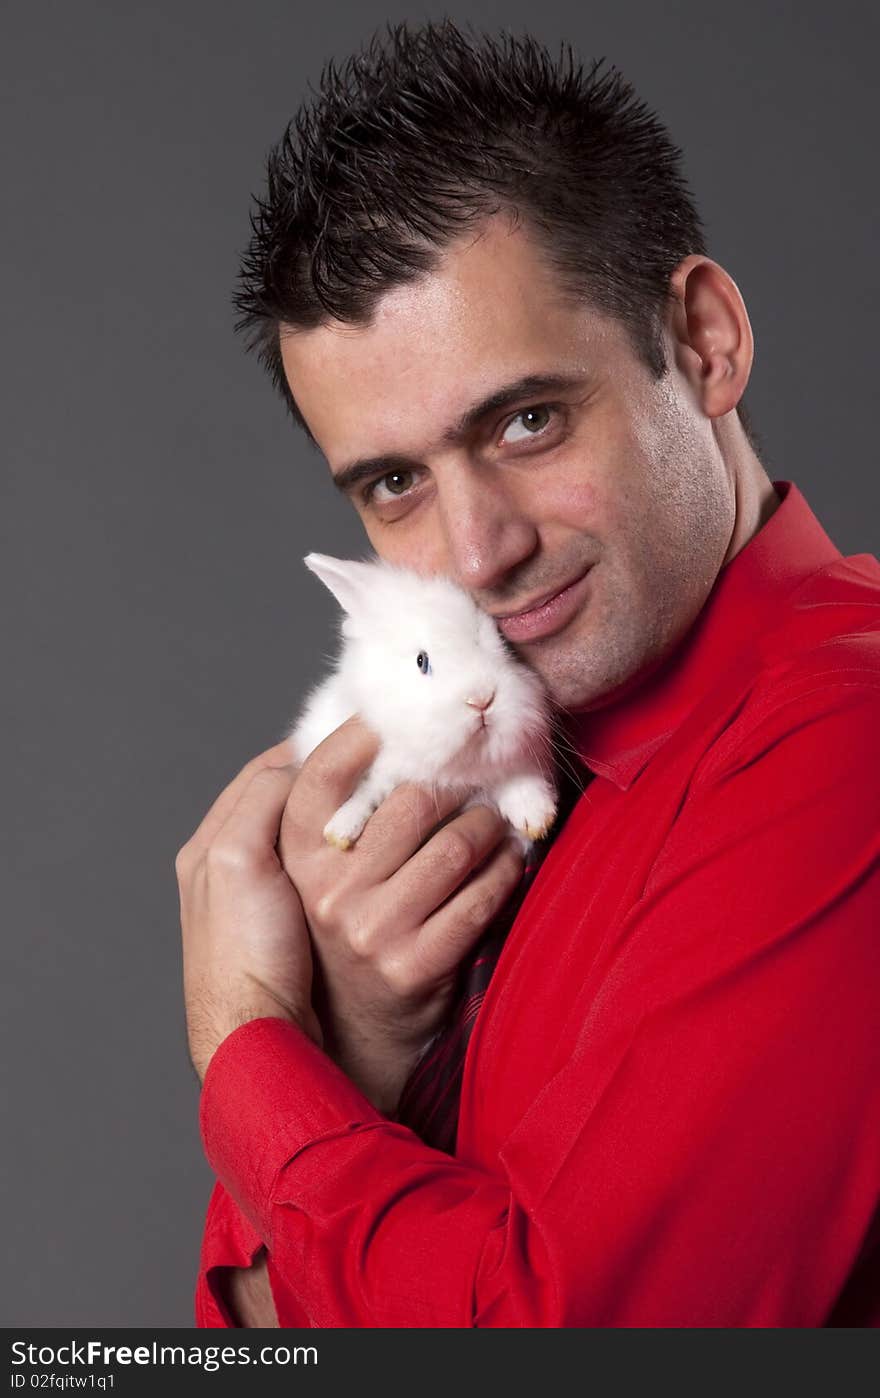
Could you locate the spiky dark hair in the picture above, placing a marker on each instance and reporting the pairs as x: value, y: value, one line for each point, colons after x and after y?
x: 419, y: 138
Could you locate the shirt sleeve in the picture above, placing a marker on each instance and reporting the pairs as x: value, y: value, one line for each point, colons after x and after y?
x: 709, y: 1155
x: 229, y: 1240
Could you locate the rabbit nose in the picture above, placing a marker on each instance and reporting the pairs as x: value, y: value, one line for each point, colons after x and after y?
x: 481, y: 703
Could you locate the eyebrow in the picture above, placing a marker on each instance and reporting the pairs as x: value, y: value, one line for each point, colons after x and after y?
x: 529, y: 386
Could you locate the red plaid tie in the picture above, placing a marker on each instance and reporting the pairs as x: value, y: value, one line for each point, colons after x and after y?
x: 430, y: 1098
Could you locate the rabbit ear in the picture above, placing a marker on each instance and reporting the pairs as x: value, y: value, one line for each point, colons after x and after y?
x: 344, y: 578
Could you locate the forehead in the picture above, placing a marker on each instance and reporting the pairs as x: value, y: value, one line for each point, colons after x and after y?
x: 491, y: 312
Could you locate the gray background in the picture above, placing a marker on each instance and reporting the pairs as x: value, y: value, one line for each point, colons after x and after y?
x: 157, y: 503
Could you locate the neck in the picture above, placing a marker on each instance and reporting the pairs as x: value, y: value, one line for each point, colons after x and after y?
x: 755, y: 500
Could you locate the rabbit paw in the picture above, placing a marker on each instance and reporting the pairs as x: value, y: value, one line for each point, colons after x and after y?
x: 340, y: 841
x: 529, y: 803
x: 343, y: 828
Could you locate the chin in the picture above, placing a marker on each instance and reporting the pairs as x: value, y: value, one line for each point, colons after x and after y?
x: 570, y: 681
x: 560, y: 661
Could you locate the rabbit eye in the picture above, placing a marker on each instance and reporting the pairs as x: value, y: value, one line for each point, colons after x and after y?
x: 423, y: 662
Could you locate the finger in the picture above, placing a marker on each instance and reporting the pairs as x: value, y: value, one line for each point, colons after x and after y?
x: 278, y: 754
x: 450, y: 933
x: 249, y: 832
x: 405, y: 820
x: 327, y: 778
x: 442, y: 865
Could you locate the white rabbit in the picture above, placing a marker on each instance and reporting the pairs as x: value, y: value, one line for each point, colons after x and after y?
x: 432, y: 677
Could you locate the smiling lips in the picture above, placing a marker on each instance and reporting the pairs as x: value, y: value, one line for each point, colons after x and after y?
x: 548, y: 616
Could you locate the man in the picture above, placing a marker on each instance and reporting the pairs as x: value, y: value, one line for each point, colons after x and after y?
x: 482, y: 288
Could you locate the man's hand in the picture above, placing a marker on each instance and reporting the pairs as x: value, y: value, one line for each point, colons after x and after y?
x: 392, y: 917
x: 245, y: 940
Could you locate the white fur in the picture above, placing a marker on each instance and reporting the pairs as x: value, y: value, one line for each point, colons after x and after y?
x: 429, y: 734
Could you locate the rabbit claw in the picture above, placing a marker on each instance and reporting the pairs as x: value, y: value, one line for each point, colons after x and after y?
x: 529, y: 803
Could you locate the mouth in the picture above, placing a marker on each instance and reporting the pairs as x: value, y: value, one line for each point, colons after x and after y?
x: 547, y: 615
x: 468, y: 752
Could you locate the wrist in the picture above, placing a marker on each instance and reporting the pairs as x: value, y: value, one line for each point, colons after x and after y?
x: 306, y: 1020
x: 378, y: 1069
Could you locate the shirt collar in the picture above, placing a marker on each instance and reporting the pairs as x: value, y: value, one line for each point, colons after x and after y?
x: 618, y: 741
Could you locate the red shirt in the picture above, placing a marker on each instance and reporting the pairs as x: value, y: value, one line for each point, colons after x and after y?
x: 670, y: 1112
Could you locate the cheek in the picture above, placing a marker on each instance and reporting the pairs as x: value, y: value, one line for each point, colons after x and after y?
x: 571, y: 502
x: 422, y: 549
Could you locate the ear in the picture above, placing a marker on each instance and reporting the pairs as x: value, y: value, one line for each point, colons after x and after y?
x: 346, y: 579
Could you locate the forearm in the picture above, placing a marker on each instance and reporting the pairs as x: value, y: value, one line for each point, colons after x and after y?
x: 380, y: 1071
x: 248, y: 1296
x: 378, y: 1057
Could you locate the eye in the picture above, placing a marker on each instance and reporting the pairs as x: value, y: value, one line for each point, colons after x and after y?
x: 534, y: 419
x: 423, y: 662
x: 395, y: 493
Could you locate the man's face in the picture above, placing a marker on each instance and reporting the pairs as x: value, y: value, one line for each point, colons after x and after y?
x: 615, y: 479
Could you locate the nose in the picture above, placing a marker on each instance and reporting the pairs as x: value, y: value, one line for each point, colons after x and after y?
x: 481, y: 702
x: 487, y: 532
